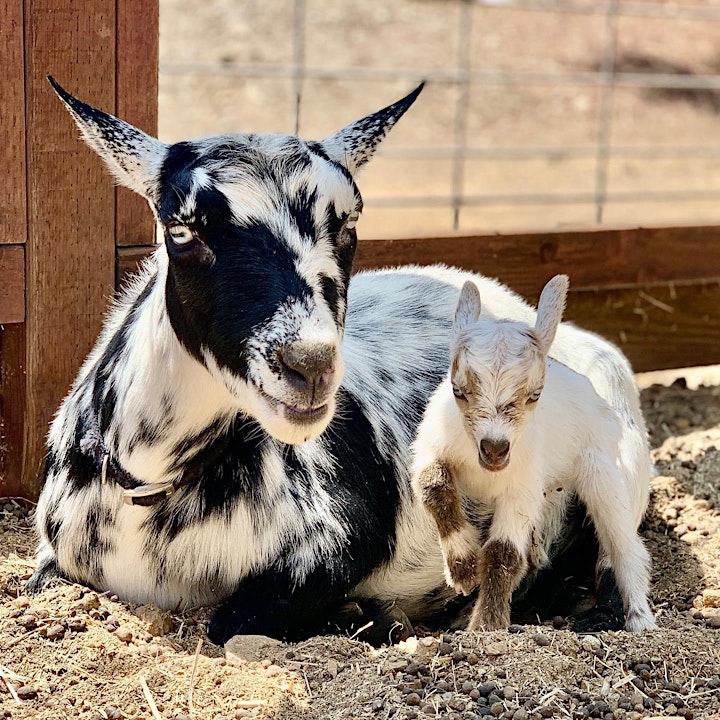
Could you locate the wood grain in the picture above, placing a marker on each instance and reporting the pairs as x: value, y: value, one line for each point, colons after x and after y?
x: 137, y: 103
x: 592, y: 258
x: 12, y: 284
x: 12, y: 421
x: 13, y: 202
x: 71, y: 229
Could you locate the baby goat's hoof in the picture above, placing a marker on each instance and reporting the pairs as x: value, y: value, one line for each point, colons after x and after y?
x: 462, y: 574
x: 46, y: 571
x: 639, y: 619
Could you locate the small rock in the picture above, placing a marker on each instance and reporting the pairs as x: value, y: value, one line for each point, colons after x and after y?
x: 26, y: 692
x: 509, y: 692
x: 113, y: 713
x: 159, y: 621
x: 559, y: 622
x: 272, y: 671
x: 713, y: 621
x: 124, y: 634
x: 487, y: 688
x: 88, y: 602
x: 445, y: 648
x: 497, y: 709
x: 413, y: 699
x: 55, y: 632
x: 590, y: 643
x: 516, y: 628
x: 76, y: 624
x: 541, y: 640
x: 28, y: 621
x: 21, y: 602
x: 240, y: 649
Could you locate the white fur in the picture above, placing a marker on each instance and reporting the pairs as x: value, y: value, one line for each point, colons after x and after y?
x: 578, y: 439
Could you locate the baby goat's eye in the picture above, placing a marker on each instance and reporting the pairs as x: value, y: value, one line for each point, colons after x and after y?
x: 181, y: 234
x: 458, y: 393
x: 534, y: 396
x: 352, y: 220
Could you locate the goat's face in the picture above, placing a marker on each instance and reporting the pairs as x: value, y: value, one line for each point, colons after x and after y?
x: 498, y: 370
x: 260, y: 237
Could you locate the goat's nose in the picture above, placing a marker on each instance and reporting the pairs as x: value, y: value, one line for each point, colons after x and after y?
x: 308, y: 366
x: 494, y: 451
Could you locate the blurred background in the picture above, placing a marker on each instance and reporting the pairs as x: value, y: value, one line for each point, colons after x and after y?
x: 537, y: 115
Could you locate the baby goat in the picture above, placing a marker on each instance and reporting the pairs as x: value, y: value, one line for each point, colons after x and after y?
x: 521, y: 431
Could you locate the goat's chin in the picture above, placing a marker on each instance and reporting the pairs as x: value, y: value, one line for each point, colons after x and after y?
x: 289, y: 424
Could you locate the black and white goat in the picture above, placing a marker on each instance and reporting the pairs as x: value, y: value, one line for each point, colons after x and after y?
x: 241, y: 431
x: 513, y: 432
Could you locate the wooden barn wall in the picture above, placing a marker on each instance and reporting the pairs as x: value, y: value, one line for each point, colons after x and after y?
x: 62, y: 220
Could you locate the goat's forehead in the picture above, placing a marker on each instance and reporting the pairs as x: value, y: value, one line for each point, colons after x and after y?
x: 257, y: 174
x: 498, y: 352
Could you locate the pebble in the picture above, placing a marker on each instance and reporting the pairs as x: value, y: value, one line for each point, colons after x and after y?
x: 124, y: 634
x: 516, y: 628
x: 272, y: 671
x: 55, y: 632
x: 413, y: 699
x: 76, y: 624
x: 509, y: 692
x: 113, y: 713
x: 497, y: 709
x: 26, y: 692
x: 541, y: 640
x: 28, y: 621
x: 590, y: 643
x: 713, y: 621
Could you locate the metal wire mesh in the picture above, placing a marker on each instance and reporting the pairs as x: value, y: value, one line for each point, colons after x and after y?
x: 464, y: 77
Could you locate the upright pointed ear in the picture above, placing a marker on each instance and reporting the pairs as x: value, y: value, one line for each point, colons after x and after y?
x: 550, y: 310
x: 355, y: 144
x: 134, y: 158
x: 468, y: 307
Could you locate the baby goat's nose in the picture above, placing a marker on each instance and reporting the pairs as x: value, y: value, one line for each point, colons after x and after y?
x: 494, y: 451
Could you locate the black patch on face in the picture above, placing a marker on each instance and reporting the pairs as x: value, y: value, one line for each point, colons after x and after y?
x: 302, y: 211
x: 331, y: 295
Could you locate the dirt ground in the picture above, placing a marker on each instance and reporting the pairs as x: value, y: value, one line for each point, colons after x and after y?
x: 71, y: 653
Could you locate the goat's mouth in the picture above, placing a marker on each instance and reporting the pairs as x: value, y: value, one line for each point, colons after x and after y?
x: 492, y: 466
x: 296, y: 414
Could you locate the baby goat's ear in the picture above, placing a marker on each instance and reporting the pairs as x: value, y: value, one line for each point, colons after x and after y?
x: 468, y: 307
x: 550, y: 310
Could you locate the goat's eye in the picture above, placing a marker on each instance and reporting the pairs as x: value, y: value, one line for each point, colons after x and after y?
x: 352, y: 220
x: 181, y: 234
x: 534, y: 396
x: 458, y: 393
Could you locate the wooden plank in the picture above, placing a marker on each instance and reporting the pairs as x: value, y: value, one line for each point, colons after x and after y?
x: 13, y: 203
x: 656, y: 326
x: 71, y: 248
x: 12, y: 284
x: 592, y: 258
x: 137, y: 103
x: 128, y: 260
x: 12, y: 401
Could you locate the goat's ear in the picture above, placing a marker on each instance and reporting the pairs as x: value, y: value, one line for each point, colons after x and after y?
x: 468, y: 307
x: 355, y: 144
x: 550, y: 310
x: 133, y: 157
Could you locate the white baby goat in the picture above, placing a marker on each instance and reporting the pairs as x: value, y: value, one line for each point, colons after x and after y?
x: 521, y: 430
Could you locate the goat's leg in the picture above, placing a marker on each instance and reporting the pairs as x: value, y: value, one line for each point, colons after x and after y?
x: 458, y: 538
x: 609, y: 504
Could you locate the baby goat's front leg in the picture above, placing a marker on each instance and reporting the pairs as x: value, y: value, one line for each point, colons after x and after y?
x: 503, y: 561
x: 458, y: 538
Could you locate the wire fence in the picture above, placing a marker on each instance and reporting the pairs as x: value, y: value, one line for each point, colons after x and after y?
x: 606, y: 79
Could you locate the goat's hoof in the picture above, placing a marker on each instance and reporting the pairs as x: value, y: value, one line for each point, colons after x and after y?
x: 597, y: 619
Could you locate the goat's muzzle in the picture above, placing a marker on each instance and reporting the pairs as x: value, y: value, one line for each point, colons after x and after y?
x: 494, y: 454
x: 309, y: 369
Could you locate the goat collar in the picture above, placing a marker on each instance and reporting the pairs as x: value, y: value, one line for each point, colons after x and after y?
x: 134, y: 492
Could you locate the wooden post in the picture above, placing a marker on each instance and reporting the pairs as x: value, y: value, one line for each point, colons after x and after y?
x: 70, y: 205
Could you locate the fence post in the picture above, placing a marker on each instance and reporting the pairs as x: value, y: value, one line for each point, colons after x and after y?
x: 72, y: 217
